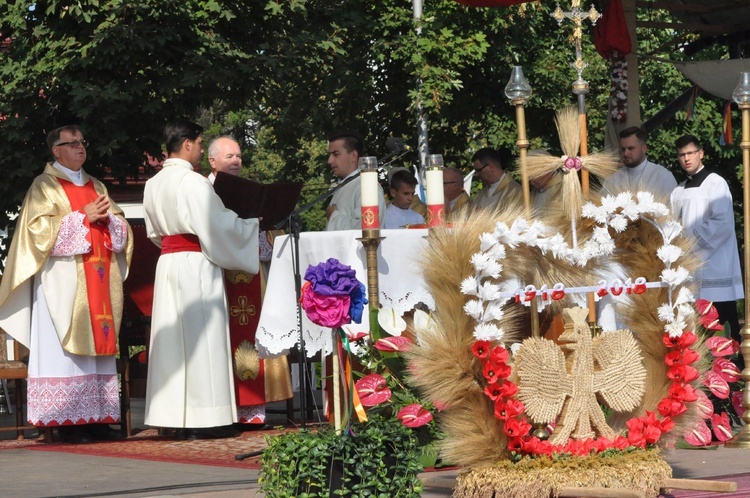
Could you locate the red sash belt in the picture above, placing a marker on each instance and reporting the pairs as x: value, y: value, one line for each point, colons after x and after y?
x: 186, y: 242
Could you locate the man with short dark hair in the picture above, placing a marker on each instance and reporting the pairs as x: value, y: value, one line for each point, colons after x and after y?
x: 497, y: 185
x: 189, y: 385
x: 637, y: 173
x: 61, y: 294
x: 345, y: 209
x: 703, y: 203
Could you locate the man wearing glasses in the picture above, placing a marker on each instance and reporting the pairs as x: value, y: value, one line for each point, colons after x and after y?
x: 61, y: 294
x: 703, y: 203
x: 453, y: 190
x: 498, y: 187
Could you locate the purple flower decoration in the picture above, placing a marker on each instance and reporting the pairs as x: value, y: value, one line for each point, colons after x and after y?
x: 332, y: 295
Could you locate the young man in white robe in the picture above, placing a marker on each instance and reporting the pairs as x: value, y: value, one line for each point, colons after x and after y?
x: 703, y: 203
x: 189, y: 385
x: 61, y: 294
x: 637, y: 172
x: 399, y: 213
x: 498, y: 187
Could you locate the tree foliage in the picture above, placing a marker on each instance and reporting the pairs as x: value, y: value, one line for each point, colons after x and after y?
x: 280, y: 76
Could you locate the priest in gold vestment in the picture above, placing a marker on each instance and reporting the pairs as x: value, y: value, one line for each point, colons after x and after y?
x: 61, y: 294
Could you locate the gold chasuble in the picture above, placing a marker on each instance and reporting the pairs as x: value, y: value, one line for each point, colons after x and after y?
x: 96, y: 265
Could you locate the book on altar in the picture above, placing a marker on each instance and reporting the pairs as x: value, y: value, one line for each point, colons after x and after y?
x: 273, y: 202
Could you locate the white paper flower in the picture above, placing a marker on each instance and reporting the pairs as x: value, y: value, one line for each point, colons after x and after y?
x: 515, y: 348
x: 669, y: 254
x: 488, y: 332
x: 674, y: 277
x: 684, y: 296
x: 674, y: 329
x: 666, y: 314
x: 489, y: 291
x: 669, y: 230
x: 486, y: 241
x: 619, y: 223
x: 494, y: 311
x: 469, y: 286
x: 492, y: 269
x: 474, y: 308
x: 480, y: 261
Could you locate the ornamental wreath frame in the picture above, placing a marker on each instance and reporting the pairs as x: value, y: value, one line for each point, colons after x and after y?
x: 605, y: 228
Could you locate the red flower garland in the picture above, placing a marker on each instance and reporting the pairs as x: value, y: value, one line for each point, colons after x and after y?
x: 642, y: 431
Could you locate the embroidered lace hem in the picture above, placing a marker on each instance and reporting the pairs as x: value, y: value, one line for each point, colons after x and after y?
x: 84, y: 399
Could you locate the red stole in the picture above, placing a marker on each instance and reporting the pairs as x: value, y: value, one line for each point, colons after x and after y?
x: 96, y: 269
x: 243, y: 296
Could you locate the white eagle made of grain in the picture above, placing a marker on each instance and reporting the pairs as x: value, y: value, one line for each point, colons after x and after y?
x: 609, y: 365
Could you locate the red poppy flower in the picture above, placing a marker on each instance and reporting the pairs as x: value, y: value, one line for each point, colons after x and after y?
x: 493, y: 371
x: 481, y: 349
x: 671, y: 408
x: 673, y: 358
x: 689, y: 356
x: 682, y: 373
x: 372, y: 390
x: 499, y: 354
x: 722, y: 427
x: 517, y: 444
x: 393, y: 344
x: 722, y: 346
x: 414, y: 415
x: 508, y: 389
x: 493, y: 391
x: 709, y: 317
x: 516, y: 428
x: 699, y: 435
x: 685, y: 340
x: 717, y: 385
x: 726, y: 369
x: 683, y: 392
x: 666, y: 424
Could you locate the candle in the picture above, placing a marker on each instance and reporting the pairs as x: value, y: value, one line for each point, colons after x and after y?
x: 435, y: 196
x: 369, y: 192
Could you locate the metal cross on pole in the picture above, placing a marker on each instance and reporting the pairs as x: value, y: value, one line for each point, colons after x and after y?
x: 580, y: 88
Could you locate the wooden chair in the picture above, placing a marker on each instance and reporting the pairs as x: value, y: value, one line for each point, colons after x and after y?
x: 138, y: 290
x: 16, y: 371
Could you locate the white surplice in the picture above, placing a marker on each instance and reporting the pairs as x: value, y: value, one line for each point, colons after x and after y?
x: 348, y: 201
x: 647, y: 176
x: 190, y: 369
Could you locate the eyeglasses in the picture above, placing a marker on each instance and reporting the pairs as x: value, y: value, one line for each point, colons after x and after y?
x: 448, y: 183
x: 74, y: 144
x: 689, y: 153
x: 477, y: 170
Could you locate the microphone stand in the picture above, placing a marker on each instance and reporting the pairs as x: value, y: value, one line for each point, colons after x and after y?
x: 295, y: 228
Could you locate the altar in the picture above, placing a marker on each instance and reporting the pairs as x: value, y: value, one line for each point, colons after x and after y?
x: 400, y: 278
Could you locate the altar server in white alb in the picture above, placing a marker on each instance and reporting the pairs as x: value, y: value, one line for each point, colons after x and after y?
x: 637, y: 172
x: 189, y: 384
x: 703, y: 203
x: 61, y: 294
x: 345, y: 209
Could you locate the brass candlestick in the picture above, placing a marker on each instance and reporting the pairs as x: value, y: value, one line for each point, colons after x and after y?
x: 371, y: 240
x: 741, y: 95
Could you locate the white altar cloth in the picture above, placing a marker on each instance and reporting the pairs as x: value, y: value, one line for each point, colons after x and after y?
x: 400, y: 279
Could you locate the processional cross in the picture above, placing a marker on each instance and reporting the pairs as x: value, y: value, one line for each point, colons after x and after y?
x: 577, y: 15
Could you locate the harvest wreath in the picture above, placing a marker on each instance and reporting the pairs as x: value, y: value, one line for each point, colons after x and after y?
x: 471, y: 359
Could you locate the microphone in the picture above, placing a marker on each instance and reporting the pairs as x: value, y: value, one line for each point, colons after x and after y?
x: 396, y: 145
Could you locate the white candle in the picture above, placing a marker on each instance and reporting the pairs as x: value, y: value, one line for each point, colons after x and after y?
x: 369, y: 187
x: 435, y: 187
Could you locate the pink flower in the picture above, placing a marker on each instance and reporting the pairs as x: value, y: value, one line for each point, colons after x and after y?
x: 414, y: 415
x: 355, y: 336
x: 717, y: 385
x: 326, y: 311
x: 704, y: 406
x: 393, y: 344
x: 372, y: 390
x: 737, y: 403
x: 722, y: 346
x: 700, y: 435
x: 722, y: 427
x: 728, y: 370
x: 709, y: 317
